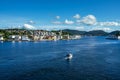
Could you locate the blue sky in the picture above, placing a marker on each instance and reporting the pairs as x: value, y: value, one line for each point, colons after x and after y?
x: 61, y: 14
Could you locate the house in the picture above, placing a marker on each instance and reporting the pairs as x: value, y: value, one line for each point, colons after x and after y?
x: 65, y: 37
x: 44, y: 35
x: 36, y: 38
x: 75, y: 37
x: 14, y: 37
x: 25, y: 38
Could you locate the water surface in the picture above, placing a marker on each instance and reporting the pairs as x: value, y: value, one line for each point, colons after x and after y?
x: 94, y: 58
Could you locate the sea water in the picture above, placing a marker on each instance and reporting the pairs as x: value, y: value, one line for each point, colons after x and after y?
x: 94, y: 58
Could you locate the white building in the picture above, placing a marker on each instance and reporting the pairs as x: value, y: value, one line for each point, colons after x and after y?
x: 25, y: 38
x: 75, y: 37
x: 118, y: 37
x: 1, y: 38
x: 15, y: 37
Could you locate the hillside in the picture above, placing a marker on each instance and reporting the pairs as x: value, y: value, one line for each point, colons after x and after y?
x: 74, y: 32
x: 89, y: 33
x: 96, y: 33
x: 115, y: 33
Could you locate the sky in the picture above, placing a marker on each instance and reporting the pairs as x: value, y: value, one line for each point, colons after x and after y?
x: 83, y: 15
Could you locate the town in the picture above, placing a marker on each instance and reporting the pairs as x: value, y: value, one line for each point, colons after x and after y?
x: 34, y: 35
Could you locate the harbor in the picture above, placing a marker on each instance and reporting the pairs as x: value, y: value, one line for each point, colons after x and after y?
x: 35, y: 35
x: 59, y: 39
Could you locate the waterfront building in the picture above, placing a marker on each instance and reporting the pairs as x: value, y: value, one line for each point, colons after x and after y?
x: 65, y: 37
x: 14, y: 38
x: 1, y: 37
x: 43, y: 35
x: 75, y: 37
x: 118, y: 37
x: 25, y: 38
x: 36, y: 38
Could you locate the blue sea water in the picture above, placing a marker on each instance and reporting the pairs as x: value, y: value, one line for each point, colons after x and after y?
x: 94, y: 58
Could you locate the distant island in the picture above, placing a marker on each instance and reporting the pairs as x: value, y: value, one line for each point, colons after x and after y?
x: 91, y: 33
x: 41, y: 35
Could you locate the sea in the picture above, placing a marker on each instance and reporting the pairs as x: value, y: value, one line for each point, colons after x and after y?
x: 94, y: 58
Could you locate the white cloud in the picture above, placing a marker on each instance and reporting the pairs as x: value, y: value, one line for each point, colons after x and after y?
x: 57, y: 22
x: 19, y: 26
x: 79, y: 28
x: 89, y: 20
x: 78, y: 21
x: 52, y: 27
x: 31, y: 22
x: 77, y: 16
x: 57, y: 17
x: 108, y: 24
x: 28, y: 26
x: 69, y: 22
x: 107, y: 29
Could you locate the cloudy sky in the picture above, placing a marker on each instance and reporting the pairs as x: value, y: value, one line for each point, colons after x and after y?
x: 61, y: 14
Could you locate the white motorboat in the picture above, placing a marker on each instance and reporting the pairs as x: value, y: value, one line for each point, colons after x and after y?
x: 69, y: 56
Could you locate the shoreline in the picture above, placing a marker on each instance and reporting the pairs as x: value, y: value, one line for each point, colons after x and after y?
x: 37, y: 40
